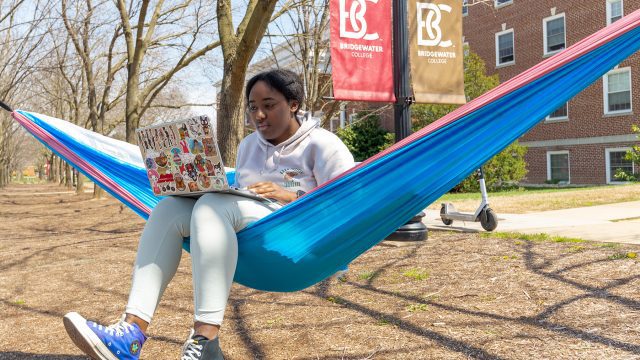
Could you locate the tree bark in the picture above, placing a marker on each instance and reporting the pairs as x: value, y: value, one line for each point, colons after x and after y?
x: 238, y: 47
x: 230, y: 115
x: 98, y: 193
x: 79, y: 183
x: 61, y: 172
x: 67, y: 176
x: 52, y: 168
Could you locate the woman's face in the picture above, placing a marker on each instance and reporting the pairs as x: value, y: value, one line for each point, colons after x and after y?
x: 271, y: 113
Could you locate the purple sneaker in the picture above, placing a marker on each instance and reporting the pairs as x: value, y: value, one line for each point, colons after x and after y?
x: 119, y: 341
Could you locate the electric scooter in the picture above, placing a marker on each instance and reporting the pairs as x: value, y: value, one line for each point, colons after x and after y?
x: 484, y: 214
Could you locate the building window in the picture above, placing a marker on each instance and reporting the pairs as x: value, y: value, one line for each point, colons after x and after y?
x: 614, y: 11
x: 500, y: 3
x: 505, y: 54
x: 465, y: 9
x: 554, y: 34
x: 558, y: 167
x: 617, y: 91
x: 618, y: 168
x: 561, y: 113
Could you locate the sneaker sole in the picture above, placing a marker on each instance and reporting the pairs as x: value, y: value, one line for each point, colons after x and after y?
x: 85, y: 339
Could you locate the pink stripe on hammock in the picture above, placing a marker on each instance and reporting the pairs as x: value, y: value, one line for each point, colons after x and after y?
x: 53, y: 143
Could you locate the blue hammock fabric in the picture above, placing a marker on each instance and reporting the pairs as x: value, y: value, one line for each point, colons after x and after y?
x: 309, y: 239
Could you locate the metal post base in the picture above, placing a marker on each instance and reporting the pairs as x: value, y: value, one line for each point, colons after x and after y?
x: 413, y: 230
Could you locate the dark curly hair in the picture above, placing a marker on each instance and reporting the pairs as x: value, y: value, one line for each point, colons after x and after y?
x: 285, y: 82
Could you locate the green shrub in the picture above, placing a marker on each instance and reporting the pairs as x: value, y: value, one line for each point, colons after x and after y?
x: 621, y: 175
x: 502, y: 172
x: 365, y: 138
x: 634, y: 153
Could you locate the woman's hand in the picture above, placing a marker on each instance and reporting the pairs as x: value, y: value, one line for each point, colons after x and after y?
x: 271, y: 190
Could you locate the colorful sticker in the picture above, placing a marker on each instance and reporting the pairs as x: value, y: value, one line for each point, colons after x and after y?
x: 209, y: 147
x: 195, y: 146
x: 167, y: 187
x: 180, y: 185
x: 204, y: 181
x: 191, y: 171
x: 193, y: 186
x: 153, y: 178
x: 195, y: 131
x: 210, y: 169
x: 182, y: 131
x: 150, y: 163
x: 204, y: 122
x: 218, y: 183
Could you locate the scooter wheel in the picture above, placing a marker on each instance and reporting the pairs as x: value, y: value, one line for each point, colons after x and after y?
x: 489, y: 219
x: 444, y: 220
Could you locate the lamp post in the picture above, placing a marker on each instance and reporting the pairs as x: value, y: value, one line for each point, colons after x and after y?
x: 414, y: 230
x: 402, y: 87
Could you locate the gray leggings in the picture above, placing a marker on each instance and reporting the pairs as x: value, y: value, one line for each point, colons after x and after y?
x: 212, y: 222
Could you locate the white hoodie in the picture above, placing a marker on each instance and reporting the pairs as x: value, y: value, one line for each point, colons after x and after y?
x: 307, y: 159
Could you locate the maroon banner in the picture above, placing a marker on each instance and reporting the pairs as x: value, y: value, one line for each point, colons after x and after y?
x: 361, y: 60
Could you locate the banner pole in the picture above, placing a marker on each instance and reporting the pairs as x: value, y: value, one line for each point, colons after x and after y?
x: 402, y: 87
x: 414, y: 230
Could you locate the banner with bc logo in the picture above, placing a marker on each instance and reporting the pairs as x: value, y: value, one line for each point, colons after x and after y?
x: 436, y: 51
x: 361, y: 60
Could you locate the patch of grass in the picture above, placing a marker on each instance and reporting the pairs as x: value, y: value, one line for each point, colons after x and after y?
x: 626, y: 219
x: 509, y: 257
x: 20, y: 302
x: 562, y: 239
x: 576, y: 248
x: 367, y: 275
x: 540, y: 237
x: 336, y: 300
x: 521, y: 191
x: 525, y: 200
x: 607, y: 245
x: 488, y: 298
x: 416, y: 274
x: 618, y: 256
x: 382, y: 321
x: 417, y: 307
x: 274, y: 322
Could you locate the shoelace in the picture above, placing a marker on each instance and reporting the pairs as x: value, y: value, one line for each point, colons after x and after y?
x: 191, y: 350
x: 119, y: 328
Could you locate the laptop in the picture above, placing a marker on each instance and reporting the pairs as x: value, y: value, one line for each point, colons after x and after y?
x: 182, y: 158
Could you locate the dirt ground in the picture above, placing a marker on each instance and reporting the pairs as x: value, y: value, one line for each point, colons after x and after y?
x: 454, y: 296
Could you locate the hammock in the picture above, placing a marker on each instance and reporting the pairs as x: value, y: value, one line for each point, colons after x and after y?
x: 309, y: 239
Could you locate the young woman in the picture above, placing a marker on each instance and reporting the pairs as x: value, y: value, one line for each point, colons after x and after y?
x: 287, y: 156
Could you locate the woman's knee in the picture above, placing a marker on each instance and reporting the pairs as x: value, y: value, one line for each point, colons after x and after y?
x: 172, y: 206
x: 211, y: 204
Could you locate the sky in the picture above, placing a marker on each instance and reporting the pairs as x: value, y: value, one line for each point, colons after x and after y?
x: 200, y: 77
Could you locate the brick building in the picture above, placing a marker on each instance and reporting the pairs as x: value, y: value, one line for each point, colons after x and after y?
x: 583, y: 142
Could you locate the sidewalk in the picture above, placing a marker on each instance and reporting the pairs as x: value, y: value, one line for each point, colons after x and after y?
x: 618, y: 223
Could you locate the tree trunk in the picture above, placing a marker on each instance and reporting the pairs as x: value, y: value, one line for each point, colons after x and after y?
x: 132, y: 109
x: 230, y: 115
x: 98, y: 193
x: 79, y: 183
x: 2, y: 176
x: 61, y: 172
x: 52, y: 168
x: 67, y: 176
